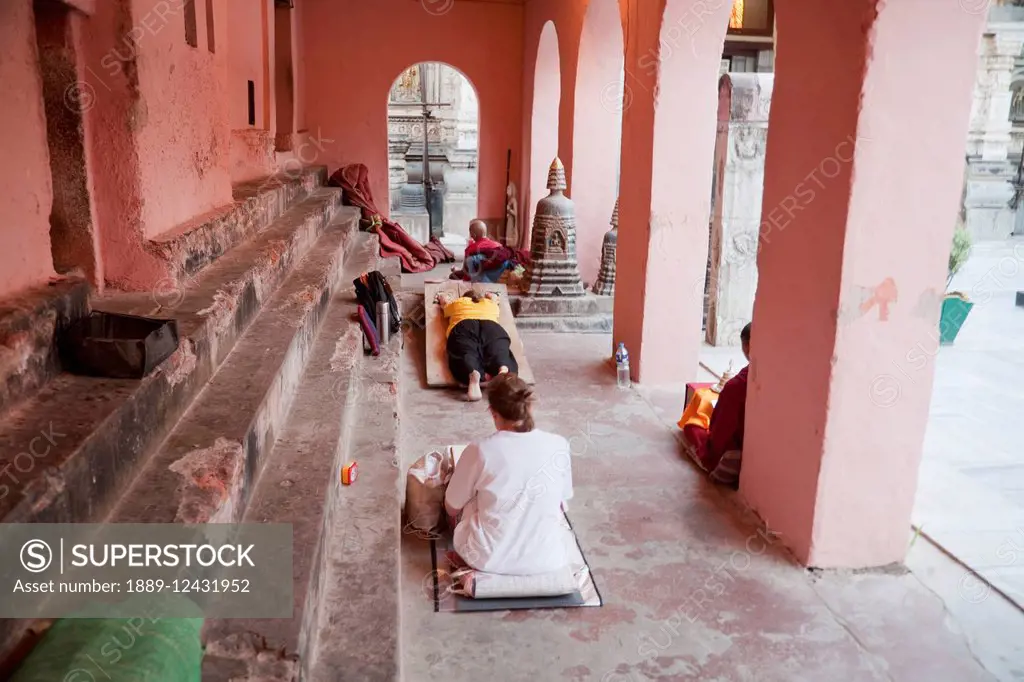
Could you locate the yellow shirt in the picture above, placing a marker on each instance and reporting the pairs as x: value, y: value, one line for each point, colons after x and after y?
x: 463, y: 308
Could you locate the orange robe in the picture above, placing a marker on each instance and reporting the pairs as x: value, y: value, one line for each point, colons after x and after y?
x: 721, y: 431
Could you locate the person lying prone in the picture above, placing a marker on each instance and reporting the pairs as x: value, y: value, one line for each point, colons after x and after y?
x: 477, y: 345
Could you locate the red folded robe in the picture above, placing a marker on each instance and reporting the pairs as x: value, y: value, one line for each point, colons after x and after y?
x: 394, y: 240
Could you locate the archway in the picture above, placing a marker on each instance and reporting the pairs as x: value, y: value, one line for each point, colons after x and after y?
x: 597, y: 129
x: 547, y: 95
x: 433, y: 115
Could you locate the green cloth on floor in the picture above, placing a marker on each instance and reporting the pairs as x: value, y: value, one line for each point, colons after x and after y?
x: 117, y: 650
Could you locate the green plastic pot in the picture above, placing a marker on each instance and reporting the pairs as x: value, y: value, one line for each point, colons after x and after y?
x: 954, y: 313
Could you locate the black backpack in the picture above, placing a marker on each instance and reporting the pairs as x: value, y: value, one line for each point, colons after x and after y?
x: 372, y: 288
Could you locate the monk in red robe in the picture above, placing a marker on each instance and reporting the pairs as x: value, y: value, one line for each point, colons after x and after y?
x: 478, y: 239
x: 718, y: 447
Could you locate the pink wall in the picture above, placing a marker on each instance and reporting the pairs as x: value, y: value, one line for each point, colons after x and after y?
x: 834, y: 429
x: 355, y: 50
x: 299, y: 66
x: 544, y: 118
x: 597, y: 130
x: 25, y: 257
x: 182, y: 127
x: 250, y: 56
x: 245, y: 62
x: 568, y: 17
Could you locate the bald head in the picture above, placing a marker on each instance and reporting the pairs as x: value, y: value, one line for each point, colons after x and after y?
x: 477, y: 229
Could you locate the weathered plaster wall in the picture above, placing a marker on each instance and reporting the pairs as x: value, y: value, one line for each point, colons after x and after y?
x: 73, y: 242
x: 245, y: 62
x: 355, y: 50
x: 182, y: 126
x: 249, y: 59
x: 25, y: 202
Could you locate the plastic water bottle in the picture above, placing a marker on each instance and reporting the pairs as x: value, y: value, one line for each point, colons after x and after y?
x: 622, y: 366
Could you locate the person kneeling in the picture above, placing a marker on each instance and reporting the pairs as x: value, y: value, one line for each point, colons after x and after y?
x: 718, y: 446
x: 477, y: 344
x: 508, y: 490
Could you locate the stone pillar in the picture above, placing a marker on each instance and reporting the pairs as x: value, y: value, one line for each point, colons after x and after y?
x: 852, y: 269
x: 460, y: 203
x: 284, y: 77
x: 744, y: 102
x: 989, y: 175
x: 668, y: 142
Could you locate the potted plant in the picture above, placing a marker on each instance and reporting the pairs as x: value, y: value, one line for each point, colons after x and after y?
x: 955, y: 305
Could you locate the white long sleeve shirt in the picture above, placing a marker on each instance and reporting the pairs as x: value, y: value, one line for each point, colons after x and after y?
x: 510, y: 487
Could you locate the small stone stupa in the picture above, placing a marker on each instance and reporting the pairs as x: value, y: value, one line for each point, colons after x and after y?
x: 605, y: 284
x: 553, y: 269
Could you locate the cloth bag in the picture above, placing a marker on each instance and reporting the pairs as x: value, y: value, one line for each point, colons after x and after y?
x: 425, y: 486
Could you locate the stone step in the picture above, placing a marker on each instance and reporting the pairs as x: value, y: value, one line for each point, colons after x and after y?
x: 580, y: 314
x: 358, y: 628
x: 68, y: 451
x: 346, y: 540
x: 73, y: 441
x: 29, y: 326
x: 600, y: 323
x: 31, y: 320
x: 186, y: 249
x: 205, y: 470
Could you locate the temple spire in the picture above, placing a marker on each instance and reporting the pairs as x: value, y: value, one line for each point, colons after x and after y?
x: 556, y: 176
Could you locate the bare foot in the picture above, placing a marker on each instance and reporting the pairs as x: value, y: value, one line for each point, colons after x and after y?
x: 474, y: 393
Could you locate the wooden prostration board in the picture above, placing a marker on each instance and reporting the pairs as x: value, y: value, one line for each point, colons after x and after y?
x: 438, y: 373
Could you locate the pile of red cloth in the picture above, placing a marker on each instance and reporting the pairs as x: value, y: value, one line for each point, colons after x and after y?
x: 394, y: 240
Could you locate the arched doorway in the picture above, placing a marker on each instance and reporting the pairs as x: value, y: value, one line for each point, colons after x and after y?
x: 597, y: 130
x: 547, y: 95
x: 433, y: 121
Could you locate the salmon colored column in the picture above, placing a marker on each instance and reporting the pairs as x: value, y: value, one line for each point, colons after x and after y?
x: 668, y: 140
x: 862, y: 184
x: 597, y: 128
x: 547, y: 95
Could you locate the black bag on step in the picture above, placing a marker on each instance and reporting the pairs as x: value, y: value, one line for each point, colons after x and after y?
x: 372, y: 288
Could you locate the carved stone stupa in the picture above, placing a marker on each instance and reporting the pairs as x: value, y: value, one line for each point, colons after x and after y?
x: 605, y: 284
x: 553, y: 269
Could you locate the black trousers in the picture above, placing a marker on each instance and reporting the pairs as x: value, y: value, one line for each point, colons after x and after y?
x: 479, y: 345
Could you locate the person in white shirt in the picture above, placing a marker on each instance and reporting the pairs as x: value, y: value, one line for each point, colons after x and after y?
x: 508, y: 491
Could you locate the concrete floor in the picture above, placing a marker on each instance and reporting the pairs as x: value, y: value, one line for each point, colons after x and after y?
x: 691, y: 589
x: 970, y: 496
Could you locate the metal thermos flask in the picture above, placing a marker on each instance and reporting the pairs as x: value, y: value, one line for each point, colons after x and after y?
x: 383, y: 323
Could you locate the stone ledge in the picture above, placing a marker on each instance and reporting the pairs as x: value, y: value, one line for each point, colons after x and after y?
x: 341, y: 395
x: 358, y: 628
x: 30, y: 322
x: 73, y: 442
x: 189, y: 248
x: 91, y: 433
x: 561, y: 306
x: 205, y: 470
x: 585, y: 324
